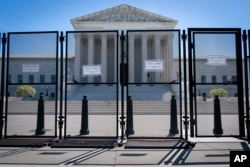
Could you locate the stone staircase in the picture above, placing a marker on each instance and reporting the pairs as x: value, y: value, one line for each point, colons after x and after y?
x: 109, y: 107
x: 109, y: 92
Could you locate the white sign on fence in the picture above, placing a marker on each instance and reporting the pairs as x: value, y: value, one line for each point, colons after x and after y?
x: 31, y: 67
x: 154, y: 65
x: 91, y: 70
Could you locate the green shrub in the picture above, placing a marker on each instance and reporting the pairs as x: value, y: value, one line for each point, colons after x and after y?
x: 25, y: 91
x: 218, y: 91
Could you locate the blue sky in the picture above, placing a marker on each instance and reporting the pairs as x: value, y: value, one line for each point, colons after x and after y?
x: 54, y: 15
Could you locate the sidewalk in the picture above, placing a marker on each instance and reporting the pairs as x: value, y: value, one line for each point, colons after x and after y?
x: 207, y: 152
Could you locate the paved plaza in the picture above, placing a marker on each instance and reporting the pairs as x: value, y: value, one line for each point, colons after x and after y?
x: 207, y: 152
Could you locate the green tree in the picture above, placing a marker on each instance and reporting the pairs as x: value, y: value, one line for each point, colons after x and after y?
x: 25, y: 91
x: 218, y: 91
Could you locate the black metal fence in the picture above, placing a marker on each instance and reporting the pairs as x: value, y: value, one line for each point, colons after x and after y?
x: 91, y: 84
x: 141, y: 84
x: 31, y: 77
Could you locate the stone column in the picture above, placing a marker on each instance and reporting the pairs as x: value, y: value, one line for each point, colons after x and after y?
x: 170, y: 57
x: 104, y: 57
x: 77, y: 63
x: 131, y: 57
x: 157, y: 52
x: 90, y: 53
x: 144, y: 39
x: 115, y: 57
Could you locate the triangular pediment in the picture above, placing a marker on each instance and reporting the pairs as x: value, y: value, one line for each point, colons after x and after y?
x: 123, y: 13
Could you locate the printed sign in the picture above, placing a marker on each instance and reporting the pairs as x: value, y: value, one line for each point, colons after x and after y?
x: 216, y: 60
x: 31, y: 67
x: 154, y: 65
x: 91, y: 70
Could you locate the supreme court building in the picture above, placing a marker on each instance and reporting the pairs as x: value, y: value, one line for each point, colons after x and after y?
x: 152, y: 52
x: 143, y: 47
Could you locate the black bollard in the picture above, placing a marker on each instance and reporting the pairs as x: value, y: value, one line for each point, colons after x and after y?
x: 84, y: 122
x: 173, y: 117
x: 40, y: 117
x: 130, y: 124
x: 217, y: 117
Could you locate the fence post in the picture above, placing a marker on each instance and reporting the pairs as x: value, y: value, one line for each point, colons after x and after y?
x: 40, y: 117
x: 130, y: 124
x: 84, y: 121
x: 173, y: 117
x: 217, y: 117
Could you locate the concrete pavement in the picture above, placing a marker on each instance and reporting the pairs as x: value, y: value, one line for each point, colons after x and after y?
x: 207, y: 152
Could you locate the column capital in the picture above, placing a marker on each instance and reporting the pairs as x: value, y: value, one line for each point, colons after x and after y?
x: 131, y: 36
x: 170, y: 36
x: 90, y: 35
x: 157, y: 36
x: 103, y: 35
x: 144, y: 36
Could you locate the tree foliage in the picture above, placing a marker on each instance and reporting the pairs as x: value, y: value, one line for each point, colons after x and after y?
x: 218, y: 91
x: 25, y: 91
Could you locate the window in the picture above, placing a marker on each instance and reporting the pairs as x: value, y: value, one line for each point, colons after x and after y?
x: 42, y: 78
x: 234, y: 78
x: 224, y: 78
x: 31, y: 78
x: 9, y: 78
x: 213, y: 78
x: 53, y: 78
x: 20, y: 79
x: 203, y: 79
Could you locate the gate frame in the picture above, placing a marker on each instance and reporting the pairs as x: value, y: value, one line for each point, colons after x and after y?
x: 58, y: 58
x: 192, y: 77
x: 181, y: 102
x: 246, y: 40
x: 65, y: 136
x: 3, y: 48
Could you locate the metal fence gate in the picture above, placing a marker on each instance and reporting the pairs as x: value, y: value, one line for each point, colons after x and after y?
x: 154, y: 86
x: 133, y: 87
x: 31, y: 88
x: 91, y: 89
x: 215, y: 68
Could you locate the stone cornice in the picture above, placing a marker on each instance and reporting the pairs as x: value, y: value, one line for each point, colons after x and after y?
x: 123, y: 13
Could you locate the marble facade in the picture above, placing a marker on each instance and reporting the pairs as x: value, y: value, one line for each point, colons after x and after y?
x: 100, y: 48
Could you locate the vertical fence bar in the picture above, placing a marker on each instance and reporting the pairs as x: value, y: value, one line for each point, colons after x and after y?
x: 191, y: 81
x: 122, y: 86
x: 117, y: 83
x: 247, y: 110
x: 6, y: 84
x: 240, y: 82
x: 184, y: 37
x: 244, y: 37
x: 61, y: 86
x: 180, y: 85
x: 2, y: 85
x: 65, y: 80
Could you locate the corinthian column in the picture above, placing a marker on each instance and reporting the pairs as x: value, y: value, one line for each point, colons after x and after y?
x: 90, y: 53
x: 170, y: 57
x: 104, y: 57
x: 157, y: 52
x: 131, y: 58
x: 77, y: 63
x: 144, y: 39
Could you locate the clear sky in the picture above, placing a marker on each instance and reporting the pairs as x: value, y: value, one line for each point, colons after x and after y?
x: 55, y: 15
